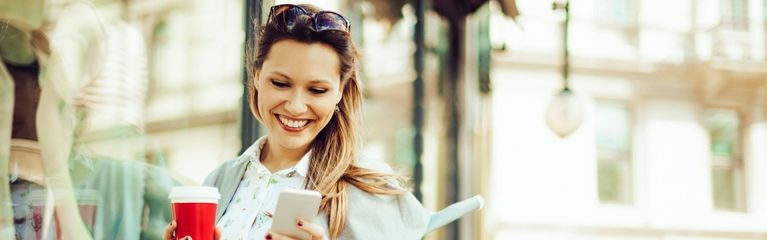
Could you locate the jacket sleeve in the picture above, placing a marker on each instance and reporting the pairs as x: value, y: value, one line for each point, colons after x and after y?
x: 372, y: 216
x: 226, y: 178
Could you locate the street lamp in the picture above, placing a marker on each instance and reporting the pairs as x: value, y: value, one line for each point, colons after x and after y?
x: 565, y: 112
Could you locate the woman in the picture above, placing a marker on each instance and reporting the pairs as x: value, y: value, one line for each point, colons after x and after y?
x: 305, y: 90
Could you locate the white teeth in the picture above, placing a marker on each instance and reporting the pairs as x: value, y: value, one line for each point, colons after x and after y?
x: 293, y: 123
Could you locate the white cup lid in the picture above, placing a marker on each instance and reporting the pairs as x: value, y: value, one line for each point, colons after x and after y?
x: 194, y: 194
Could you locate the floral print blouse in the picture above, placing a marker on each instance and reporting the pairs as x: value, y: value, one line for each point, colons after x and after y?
x: 249, y: 214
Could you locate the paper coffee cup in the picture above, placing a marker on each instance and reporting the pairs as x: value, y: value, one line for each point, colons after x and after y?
x: 194, y: 209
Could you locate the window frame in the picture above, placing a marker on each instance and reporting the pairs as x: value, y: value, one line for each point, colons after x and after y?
x: 609, y: 6
x: 732, y: 20
x: 734, y: 163
x: 625, y: 160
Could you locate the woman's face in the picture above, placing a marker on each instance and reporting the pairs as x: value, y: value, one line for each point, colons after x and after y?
x: 298, y: 89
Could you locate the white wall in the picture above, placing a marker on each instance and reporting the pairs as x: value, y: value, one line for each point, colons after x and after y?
x: 543, y: 185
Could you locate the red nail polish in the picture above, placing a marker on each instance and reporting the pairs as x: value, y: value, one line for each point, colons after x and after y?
x: 268, y: 236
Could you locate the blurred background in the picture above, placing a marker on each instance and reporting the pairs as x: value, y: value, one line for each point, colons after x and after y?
x: 580, y: 119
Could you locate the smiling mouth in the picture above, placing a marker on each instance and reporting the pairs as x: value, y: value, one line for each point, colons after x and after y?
x: 292, y: 124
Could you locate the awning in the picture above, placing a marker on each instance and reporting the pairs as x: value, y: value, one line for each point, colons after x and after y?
x: 390, y: 10
x: 457, y: 9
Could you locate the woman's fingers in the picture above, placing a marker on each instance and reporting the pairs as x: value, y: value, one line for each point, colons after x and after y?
x: 276, y: 236
x: 314, y: 230
x: 169, y: 230
x: 217, y: 233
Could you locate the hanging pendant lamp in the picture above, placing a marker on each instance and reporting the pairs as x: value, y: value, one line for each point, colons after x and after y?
x: 565, y: 112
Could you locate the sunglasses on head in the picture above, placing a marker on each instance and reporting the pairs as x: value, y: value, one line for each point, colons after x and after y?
x: 288, y: 14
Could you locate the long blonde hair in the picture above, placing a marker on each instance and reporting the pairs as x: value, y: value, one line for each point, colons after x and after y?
x: 333, y: 164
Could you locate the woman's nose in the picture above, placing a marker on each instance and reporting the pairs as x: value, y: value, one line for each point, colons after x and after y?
x: 295, y: 104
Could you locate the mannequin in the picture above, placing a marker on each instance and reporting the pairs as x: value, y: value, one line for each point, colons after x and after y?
x: 25, y: 161
x: 26, y: 168
x: 46, y: 63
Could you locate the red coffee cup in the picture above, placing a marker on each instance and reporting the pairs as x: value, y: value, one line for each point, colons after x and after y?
x: 194, y: 209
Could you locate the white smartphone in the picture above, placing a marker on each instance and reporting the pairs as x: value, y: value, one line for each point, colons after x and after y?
x: 291, y: 205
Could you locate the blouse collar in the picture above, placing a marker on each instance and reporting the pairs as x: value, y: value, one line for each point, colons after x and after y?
x: 253, y: 154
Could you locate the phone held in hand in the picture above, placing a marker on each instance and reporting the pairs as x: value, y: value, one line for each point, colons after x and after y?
x: 293, y: 204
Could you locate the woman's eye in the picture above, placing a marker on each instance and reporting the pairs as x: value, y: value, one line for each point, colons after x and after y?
x: 318, y: 90
x: 280, y: 84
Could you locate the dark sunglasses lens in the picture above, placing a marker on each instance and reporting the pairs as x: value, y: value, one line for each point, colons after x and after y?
x: 291, y: 15
x: 329, y: 21
x: 287, y: 13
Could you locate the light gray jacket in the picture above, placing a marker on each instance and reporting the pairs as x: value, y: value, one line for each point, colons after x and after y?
x: 369, y: 216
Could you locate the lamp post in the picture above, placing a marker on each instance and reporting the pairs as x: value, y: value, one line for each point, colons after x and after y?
x: 565, y: 112
x: 418, y: 96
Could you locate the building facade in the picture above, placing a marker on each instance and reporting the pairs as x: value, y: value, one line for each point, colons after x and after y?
x: 674, y: 140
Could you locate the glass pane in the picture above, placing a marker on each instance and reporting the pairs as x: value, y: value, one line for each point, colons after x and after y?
x: 764, y: 9
x: 734, y: 13
x: 723, y: 127
x: 612, y: 126
x: 138, y: 97
x: 614, y: 182
x: 723, y: 188
x: 614, y: 11
x: 739, y: 8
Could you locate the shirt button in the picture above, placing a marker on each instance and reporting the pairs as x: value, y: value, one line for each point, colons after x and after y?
x: 291, y: 174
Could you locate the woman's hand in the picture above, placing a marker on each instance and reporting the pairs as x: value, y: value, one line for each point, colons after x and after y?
x: 170, y: 232
x: 314, y: 231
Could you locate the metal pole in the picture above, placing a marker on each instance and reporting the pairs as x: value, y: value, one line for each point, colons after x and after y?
x: 455, y: 34
x: 565, y: 32
x: 418, y: 97
x: 566, y: 49
x: 248, y: 125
